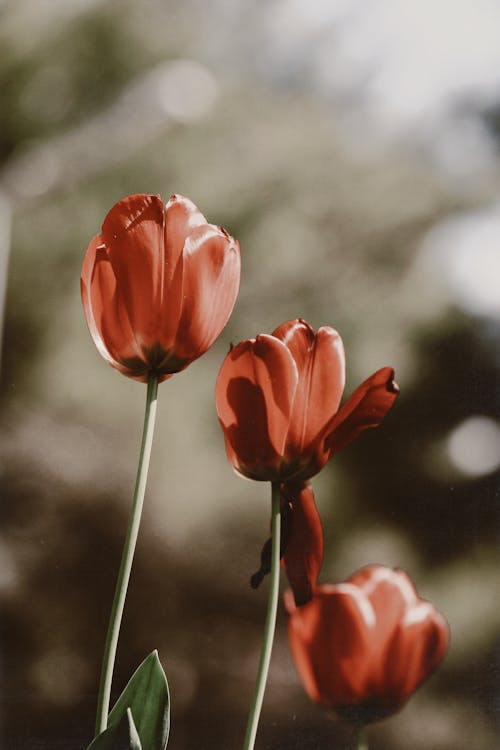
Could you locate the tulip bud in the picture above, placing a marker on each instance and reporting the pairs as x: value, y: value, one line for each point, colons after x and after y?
x: 158, y: 285
x: 362, y: 647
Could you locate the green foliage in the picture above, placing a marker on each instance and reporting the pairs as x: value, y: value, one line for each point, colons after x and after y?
x: 120, y: 736
x: 147, y: 696
x: 73, y: 72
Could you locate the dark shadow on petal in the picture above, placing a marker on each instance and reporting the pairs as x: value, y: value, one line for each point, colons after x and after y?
x: 249, y: 437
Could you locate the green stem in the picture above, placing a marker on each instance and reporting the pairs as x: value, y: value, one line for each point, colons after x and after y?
x: 272, y: 608
x: 362, y: 741
x: 115, y: 619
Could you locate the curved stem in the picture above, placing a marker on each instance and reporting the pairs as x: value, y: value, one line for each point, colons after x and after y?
x: 272, y: 608
x: 115, y: 619
x: 362, y: 741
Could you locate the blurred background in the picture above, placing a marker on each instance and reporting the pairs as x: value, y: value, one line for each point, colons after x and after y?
x: 353, y: 149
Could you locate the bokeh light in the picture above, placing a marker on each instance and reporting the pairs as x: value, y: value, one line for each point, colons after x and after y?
x: 474, y: 446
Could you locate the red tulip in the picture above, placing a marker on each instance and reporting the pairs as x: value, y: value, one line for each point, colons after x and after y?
x: 362, y: 647
x: 158, y: 285
x: 278, y: 403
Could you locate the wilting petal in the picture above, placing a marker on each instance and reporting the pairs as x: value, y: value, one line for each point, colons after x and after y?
x: 210, y: 283
x: 266, y: 552
x: 320, y: 361
x: 365, y: 408
x: 303, y: 554
x: 254, y: 397
x: 133, y: 233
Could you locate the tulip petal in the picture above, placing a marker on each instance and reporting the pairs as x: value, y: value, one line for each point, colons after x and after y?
x: 181, y: 218
x: 254, y: 397
x: 390, y: 592
x: 320, y: 361
x: 210, y: 283
x: 365, y: 408
x: 328, y: 638
x: 372, y: 578
x: 93, y: 315
x: 420, y: 642
x: 133, y: 234
x: 105, y: 313
x: 303, y: 555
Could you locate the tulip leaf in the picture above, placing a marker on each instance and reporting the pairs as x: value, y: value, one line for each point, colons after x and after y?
x: 122, y: 735
x: 147, y: 695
